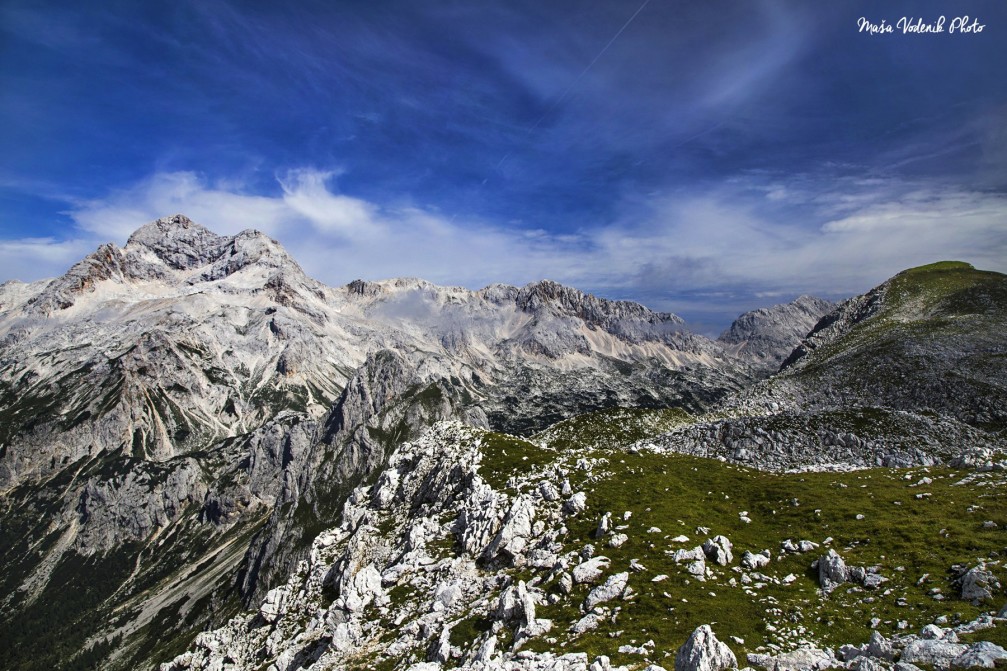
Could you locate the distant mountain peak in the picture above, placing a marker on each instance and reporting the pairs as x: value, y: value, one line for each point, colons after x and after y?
x: 766, y: 336
x: 178, y: 241
x: 569, y: 301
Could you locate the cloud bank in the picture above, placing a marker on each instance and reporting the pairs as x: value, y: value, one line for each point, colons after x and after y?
x: 710, y: 253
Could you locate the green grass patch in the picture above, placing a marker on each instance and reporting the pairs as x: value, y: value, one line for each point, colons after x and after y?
x: 668, y: 495
x: 505, y: 455
x: 611, y: 428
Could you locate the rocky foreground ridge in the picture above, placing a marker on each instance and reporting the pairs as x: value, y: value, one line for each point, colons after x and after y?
x: 453, y: 559
x: 198, y: 437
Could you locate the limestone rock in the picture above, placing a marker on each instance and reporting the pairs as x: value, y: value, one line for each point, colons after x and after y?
x: 801, y: 659
x: 718, y: 550
x: 604, y: 525
x: 273, y: 605
x: 978, y: 585
x: 880, y: 647
x: 703, y: 652
x: 589, y: 622
x: 932, y: 652
x: 612, y: 588
x: 617, y: 540
x: 864, y: 663
x: 980, y: 655
x: 590, y: 571
x: 512, y: 539
x: 755, y: 561
x: 576, y: 503
x: 832, y: 571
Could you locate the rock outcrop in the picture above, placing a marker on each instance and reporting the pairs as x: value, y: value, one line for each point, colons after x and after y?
x: 703, y: 652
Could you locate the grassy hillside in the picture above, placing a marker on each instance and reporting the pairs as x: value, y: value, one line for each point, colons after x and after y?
x: 912, y: 532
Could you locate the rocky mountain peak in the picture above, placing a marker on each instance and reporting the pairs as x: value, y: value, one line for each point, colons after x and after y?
x: 547, y: 295
x: 105, y: 263
x: 360, y: 287
x: 178, y: 241
x: 246, y: 249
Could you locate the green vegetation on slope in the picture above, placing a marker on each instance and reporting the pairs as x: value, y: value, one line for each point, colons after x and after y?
x: 927, y: 339
x: 936, y: 301
x: 912, y: 532
x: 611, y: 428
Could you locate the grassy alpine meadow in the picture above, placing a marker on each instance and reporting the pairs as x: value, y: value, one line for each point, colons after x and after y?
x: 912, y: 526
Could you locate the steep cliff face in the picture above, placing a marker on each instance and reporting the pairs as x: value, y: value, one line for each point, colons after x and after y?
x: 386, y: 402
x: 767, y: 336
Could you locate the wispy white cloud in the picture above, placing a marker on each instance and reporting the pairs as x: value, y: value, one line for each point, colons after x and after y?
x: 306, y: 193
x: 841, y: 240
x: 713, y: 249
x: 117, y: 215
x: 35, y: 258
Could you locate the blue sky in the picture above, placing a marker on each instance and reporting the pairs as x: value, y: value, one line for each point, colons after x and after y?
x: 705, y: 158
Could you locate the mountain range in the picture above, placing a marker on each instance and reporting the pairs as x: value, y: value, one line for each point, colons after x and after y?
x: 196, y: 436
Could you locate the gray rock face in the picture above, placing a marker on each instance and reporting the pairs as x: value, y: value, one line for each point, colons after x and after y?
x: 576, y: 503
x: 832, y: 571
x: 755, y: 561
x: 703, y: 652
x: 629, y: 320
x: 936, y: 653
x: 978, y: 585
x: 983, y: 655
x: 613, y: 588
x: 590, y: 571
x: 385, y: 396
x: 178, y: 242
x: 767, y: 336
x: 880, y: 647
x: 589, y: 622
x: 840, y: 321
x: 695, y: 560
x: 802, y: 659
x: 932, y: 632
x: 718, y: 550
x: 130, y: 508
x: 106, y: 263
x: 864, y: 663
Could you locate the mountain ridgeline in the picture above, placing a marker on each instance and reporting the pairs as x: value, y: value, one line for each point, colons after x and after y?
x: 184, y: 420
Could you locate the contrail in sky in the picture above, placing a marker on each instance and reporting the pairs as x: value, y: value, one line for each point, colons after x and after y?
x: 583, y: 72
x: 589, y: 65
